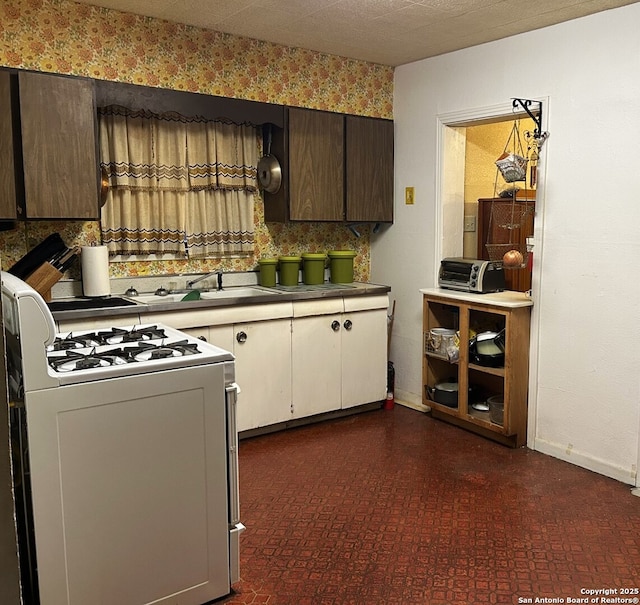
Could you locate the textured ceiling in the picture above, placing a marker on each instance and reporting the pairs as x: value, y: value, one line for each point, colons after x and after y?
x: 390, y: 32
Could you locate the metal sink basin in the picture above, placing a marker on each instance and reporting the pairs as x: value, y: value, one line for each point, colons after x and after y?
x: 149, y: 299
x: 234, y: 292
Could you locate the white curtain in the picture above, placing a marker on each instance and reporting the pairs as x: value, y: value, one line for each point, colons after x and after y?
x: 177, y: 185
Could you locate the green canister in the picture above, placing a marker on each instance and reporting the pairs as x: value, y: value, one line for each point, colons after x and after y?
x: 268, y: 272
x: 313, y: 268
x: 341, y: 266
x: 289, y: 269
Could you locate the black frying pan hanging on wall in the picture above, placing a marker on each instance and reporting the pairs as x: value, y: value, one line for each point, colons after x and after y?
x: 269, y: 171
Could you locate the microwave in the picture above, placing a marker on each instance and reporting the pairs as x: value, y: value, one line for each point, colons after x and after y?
x: 471, y: 275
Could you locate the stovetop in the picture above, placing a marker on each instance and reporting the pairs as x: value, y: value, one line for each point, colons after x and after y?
x: 82, y: 356
x: 116, y: 346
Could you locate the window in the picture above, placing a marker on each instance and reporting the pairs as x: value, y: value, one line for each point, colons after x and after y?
x: 178, y: 185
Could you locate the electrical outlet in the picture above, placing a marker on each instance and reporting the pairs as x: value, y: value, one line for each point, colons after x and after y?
x: 409, y: 195
x: 469, y: 223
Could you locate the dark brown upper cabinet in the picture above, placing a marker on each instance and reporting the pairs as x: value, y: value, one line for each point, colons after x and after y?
x: 60, y: 163
x: 316, y: 165
x: 7, y: 164
x: 335, y: 167
x: 369, y: 157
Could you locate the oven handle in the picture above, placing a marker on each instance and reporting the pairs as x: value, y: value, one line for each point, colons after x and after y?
x: 232, y: 440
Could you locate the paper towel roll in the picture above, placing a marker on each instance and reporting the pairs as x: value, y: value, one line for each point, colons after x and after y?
x: 95, y: 271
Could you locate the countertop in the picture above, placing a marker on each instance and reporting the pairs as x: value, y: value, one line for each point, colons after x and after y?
x: 507, y: 298
x: 273, y: 295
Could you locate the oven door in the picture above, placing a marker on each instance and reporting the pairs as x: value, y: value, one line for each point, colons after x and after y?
x: 129, y: 483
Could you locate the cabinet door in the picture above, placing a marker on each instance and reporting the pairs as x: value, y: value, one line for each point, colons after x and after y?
x: 221, y: 336
x: 364, y: 357
x: 58, y: 122
x: 263, y: 370
x: 369, y: 157
x: 200, y: 333
x: 7, y: 167
x: 316, y: 165
x: 316, y: 364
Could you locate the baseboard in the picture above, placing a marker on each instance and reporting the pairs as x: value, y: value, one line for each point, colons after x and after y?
x: 410, y: 400
x: 291, y: 424
x: 597, y: 465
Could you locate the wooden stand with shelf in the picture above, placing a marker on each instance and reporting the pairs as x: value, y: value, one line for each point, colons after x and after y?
x: 468, y: 313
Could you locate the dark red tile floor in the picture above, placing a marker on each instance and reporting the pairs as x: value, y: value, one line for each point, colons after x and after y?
x: 394, y: 507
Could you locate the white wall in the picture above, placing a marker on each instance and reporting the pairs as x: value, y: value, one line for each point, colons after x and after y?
x: 585, y: 395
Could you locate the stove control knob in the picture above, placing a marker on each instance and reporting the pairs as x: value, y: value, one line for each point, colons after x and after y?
x: 131, y: 292
x: 162, y: 291
x: 241, y: 337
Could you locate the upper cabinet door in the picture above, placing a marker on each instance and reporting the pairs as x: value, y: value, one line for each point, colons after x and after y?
x: 316, y: 165
x: 59, y: 146
x: 369, y: 169
x: 7, y: 172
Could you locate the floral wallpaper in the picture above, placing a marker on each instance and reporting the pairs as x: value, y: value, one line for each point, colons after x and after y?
x: 65, y: 37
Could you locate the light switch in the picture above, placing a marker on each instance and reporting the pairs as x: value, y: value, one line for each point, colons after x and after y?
x: 409, y: 195
x: 469, y: 223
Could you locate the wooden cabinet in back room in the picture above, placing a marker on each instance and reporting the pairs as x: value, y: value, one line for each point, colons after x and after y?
x: 490, y: 232
x: 59, y: 147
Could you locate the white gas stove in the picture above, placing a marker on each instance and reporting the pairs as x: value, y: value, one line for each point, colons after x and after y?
x: 76, y: 357
x: 128, y: 460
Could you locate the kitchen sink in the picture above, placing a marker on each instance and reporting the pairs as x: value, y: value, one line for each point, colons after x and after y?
x: 155, y: 298
x: 237, y: 292
x: 177, y: 297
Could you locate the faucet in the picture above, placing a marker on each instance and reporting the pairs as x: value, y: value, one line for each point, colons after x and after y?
x: 195, y: 281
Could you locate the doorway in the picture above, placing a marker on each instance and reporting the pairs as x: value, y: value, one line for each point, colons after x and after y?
x: 452, y: 206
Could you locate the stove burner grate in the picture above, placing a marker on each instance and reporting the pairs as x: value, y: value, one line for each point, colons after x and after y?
x: 111, y: 336
x: 74, y: 341
x: 145, y: 351
x: 119, y: 335
x: 76, y: 360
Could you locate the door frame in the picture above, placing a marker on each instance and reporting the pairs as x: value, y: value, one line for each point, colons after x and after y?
x: 451, y: 128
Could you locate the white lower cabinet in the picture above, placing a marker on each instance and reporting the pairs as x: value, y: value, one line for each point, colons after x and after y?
x: 263, y: 368
x: 364, y: 356
x: 339, y: 353
x: 263, y: 371
x: 316, y: 364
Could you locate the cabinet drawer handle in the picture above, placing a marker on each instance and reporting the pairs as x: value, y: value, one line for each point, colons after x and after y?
x: 348, y: 324
x: 335, y: 325
x: 241, y: 337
